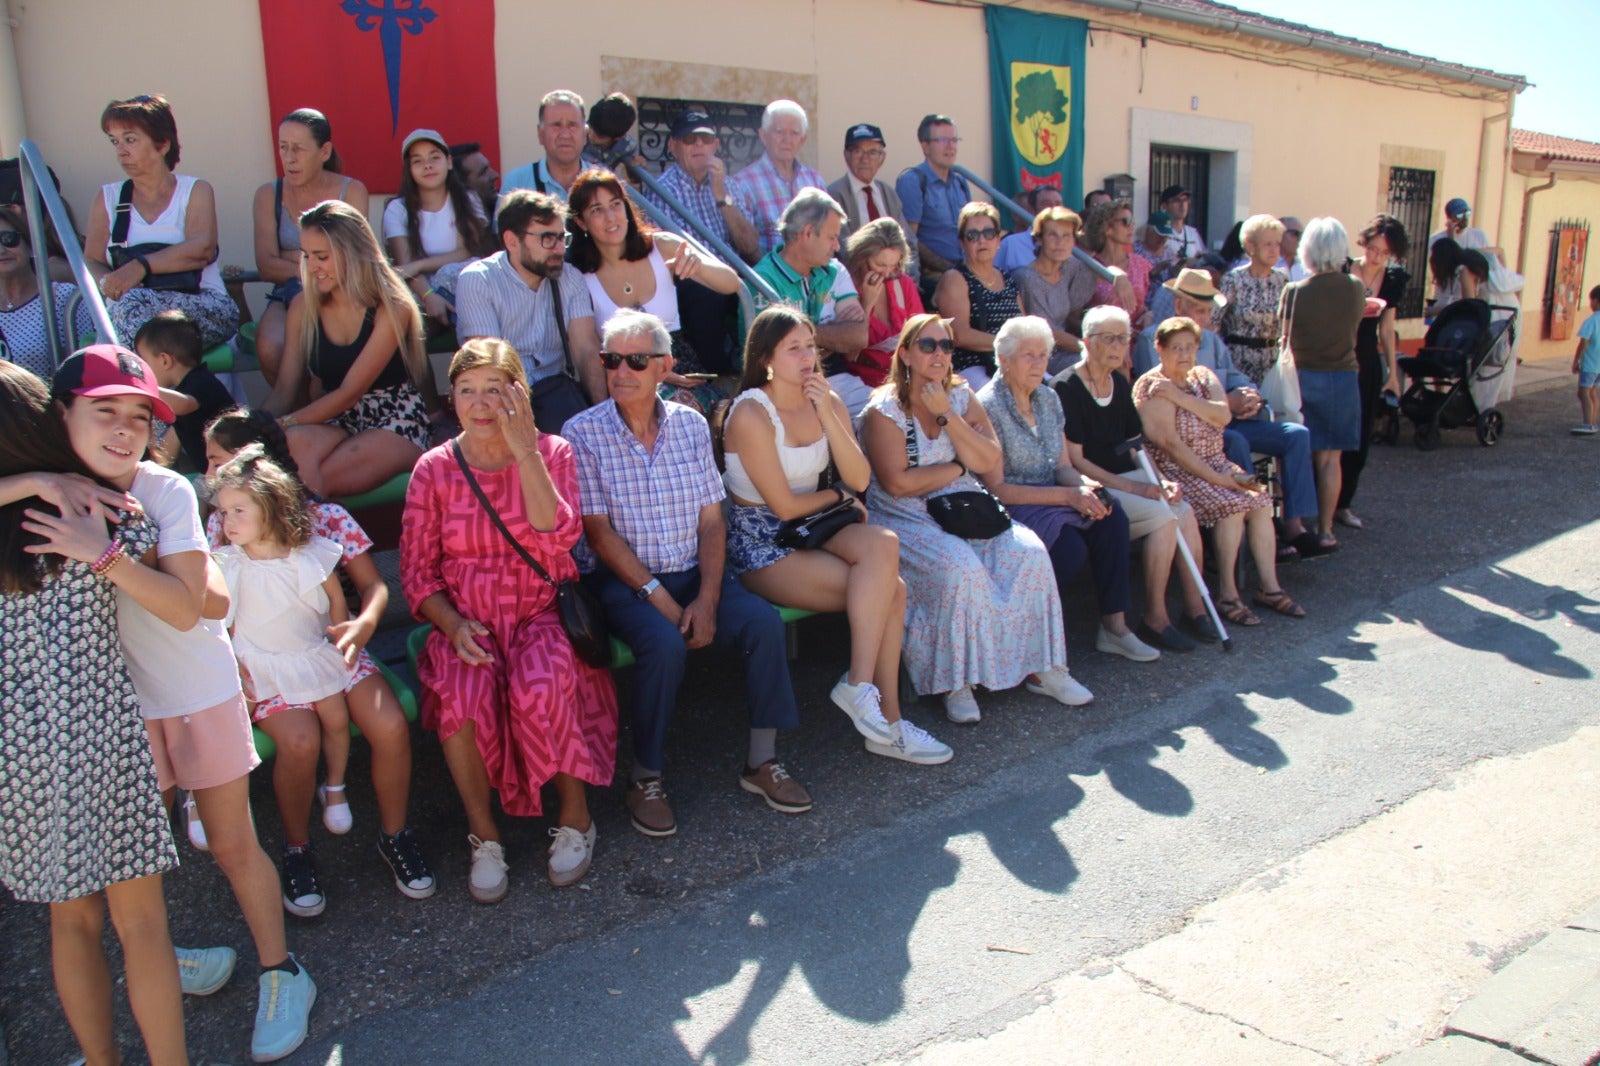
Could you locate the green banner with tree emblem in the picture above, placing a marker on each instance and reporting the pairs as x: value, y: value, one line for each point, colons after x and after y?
x: 1036, y: 77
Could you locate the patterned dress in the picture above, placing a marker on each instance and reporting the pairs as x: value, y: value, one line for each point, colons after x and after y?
x: 79, y: 806
x: 990, y: 309
x: 1211, y: 503
x: 537, y: 709
x: 978, y: 612
x: 1252, y: 312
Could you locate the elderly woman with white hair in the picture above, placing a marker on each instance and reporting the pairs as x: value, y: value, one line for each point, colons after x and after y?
x: 1322, y: 315
x: 1079, y: 522
x: 1249, y: 321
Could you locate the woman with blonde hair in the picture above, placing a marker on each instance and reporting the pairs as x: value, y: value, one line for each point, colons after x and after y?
x: 1249, y: 321
x: 876, y: 257
x: 357, y: 330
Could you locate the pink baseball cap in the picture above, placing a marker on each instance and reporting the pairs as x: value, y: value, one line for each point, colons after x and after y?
x: 110, y: 370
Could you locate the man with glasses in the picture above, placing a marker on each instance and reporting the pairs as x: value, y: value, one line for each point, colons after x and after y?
x: 764, y: 188
x: 933, y: 197
x: 528, y: 295
x: 698, y: 179
x: 653, y: 553
x: 863, y: 197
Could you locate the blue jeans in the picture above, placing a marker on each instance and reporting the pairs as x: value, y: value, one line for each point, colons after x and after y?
x: 1288, y: 442
x: 744, y: 621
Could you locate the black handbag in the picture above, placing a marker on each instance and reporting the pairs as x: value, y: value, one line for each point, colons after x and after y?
x: 122, y: 253
x: 581, y: 615
x: 973, y: 514
x: 817, y: 528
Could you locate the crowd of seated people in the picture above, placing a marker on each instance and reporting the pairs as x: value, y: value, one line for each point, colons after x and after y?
x: 941, y: 479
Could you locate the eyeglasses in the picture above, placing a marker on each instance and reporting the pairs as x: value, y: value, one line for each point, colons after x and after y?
x: 1123, y: 221
x: 869, y: 153
x: 549, y: 238
x: 988, y: 234
x: 928, y: 345
x: 1116, y: 340
x: 944, y: 140
x: 9, y: 238
x: 698, y: 138
x: 635, y: 360
x: 1291, y: 233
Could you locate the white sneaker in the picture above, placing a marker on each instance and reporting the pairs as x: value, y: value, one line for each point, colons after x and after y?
x: 1126, y: 645
x: 336, y: 816
x: 961, y: 706
x: 488, y: 881
x: 911, y: 743
x: 570, y: 854
x: 1061, y: 686
x: 192, y: 824
x: 864, y: 704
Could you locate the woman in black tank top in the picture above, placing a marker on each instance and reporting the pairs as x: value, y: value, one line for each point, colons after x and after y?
x: 358, y: 332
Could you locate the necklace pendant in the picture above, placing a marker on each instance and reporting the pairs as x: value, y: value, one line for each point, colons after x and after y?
x: 627, y: 289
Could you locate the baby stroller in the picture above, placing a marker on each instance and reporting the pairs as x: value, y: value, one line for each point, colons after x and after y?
x: 1454, y: 378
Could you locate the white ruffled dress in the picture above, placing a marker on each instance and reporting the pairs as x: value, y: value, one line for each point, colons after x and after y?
x: 278, y: 611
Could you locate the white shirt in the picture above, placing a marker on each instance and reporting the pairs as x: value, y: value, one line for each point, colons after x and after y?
x: 1471, y: 237
x: 174, y: 673
x: 437, y: 229
x: 1186, y: 246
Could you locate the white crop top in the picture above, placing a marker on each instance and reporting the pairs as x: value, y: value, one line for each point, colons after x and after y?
x: 801, y: 466
x: 663, y: 304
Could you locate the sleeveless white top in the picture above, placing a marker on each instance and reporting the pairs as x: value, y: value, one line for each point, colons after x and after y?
x: 801, y: 465
x: 664, y: 304
x: 279, y: 611
x: 167, y: 227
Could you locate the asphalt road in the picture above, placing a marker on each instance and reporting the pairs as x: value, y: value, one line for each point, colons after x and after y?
x: 915, y: 904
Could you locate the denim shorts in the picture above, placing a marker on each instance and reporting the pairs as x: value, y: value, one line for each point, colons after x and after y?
x: 1588, y: 379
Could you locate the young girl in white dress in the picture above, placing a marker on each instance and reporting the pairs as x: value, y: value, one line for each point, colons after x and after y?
x: 284, y: 594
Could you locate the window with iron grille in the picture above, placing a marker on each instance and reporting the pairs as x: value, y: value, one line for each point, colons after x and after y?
x: 1189, y: 168
x: 1411, y: 201
x: 736, y: 126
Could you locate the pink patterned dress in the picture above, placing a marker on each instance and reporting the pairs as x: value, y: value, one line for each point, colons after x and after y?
x: 537, y: 709
x: 1211, y: 503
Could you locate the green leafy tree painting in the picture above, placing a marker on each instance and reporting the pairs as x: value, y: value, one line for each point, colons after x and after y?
x: 1040, y: 101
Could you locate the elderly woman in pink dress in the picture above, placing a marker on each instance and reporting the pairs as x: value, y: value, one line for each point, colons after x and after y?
x: 512, y: 703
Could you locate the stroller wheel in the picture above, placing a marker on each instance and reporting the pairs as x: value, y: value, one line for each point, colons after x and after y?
x: 1491, y: 424
x: 1427, y: 436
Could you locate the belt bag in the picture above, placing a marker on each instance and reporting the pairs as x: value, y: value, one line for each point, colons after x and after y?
x: 816, y: 529
x: 973, y: 514
x: 581, y: 615
x: 122, y: 253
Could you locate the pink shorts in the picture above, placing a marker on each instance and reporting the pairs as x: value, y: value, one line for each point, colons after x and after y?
x: 204, y: 749
x: 272, y: 705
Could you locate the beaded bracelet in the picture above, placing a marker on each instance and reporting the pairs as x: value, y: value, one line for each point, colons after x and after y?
x: 109, y: 558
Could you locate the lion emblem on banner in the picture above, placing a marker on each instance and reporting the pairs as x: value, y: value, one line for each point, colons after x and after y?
x: 1041, y: 111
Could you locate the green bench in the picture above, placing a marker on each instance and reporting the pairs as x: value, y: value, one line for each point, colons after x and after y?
x: 402, y: 691
x: 390, y: 493
x: 621, y: 654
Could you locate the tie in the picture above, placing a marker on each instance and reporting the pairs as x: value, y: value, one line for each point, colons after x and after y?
x: 872, y: 205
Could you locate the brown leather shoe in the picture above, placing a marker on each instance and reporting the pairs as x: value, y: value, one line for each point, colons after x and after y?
x: 647, y: 804
x: 772, y: 783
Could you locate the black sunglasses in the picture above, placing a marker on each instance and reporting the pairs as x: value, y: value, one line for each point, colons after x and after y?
x: 10, y: 238
x: 635, y: 360
x: 927, y: 345
x: 987, y: 234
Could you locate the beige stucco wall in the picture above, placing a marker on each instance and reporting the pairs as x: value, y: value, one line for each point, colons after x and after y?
x: 1309, y: 143
x: 1572, y: 197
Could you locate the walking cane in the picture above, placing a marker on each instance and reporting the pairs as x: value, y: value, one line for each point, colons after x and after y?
x: 1136, y: 446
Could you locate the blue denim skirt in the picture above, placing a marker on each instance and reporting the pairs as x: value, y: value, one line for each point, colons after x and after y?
x: 1330, y: 404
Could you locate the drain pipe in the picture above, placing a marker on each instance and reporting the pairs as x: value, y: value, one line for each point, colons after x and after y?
x: 1483, y: 152
x: 13, y: 126
x: 1527, y: 206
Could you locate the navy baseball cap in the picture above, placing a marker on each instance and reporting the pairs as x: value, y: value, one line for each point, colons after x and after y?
x: 862, y: 131
x: 689, y: 122
x: 1457, y: 208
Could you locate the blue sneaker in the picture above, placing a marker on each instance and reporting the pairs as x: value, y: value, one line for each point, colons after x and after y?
x: 202, y: 971
x: 285, y: 1007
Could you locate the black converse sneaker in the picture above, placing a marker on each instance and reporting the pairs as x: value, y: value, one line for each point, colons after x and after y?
x: 302, y: 896
x: 411, y: 874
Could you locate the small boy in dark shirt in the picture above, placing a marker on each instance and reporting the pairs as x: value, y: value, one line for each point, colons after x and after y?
x: 610, y: 121
x: 170, y: 343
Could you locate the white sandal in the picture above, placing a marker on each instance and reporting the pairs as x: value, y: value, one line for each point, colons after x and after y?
x: 193, y: 826
x: 336, y: 816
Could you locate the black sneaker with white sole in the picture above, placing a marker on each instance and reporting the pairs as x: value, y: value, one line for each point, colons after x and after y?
x: 302, y: 895
x: 411, y: 874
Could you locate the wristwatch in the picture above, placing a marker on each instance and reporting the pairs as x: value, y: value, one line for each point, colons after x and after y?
x: 645, y: 591
x: 942, y: 420
x: 727, y: 201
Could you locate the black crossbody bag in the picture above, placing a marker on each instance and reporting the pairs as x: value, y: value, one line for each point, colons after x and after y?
x: 581, y: 615
x: 973, y: 514
x: 122, y: 253
x: 557, y: 397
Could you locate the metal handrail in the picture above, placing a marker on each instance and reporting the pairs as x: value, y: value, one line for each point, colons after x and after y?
x: 724, y: 250
x: 663, y: 220
x: 1000, y: 198
x: 43, y: 201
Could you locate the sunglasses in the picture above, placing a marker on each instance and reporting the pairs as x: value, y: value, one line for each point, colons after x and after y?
x: 988, y: 234
x: 927, y: 345
x: 635, y: 360
x: 10, y: 238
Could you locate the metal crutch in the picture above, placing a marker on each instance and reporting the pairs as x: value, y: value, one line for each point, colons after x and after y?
x: 1136, y: 446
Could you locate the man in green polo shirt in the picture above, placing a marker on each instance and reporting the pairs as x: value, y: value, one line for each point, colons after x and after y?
x: 805, y: 273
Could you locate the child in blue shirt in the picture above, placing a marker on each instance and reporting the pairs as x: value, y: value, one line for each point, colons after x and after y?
x: 1586, y: 364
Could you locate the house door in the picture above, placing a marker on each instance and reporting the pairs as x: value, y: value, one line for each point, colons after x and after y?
x: 1186, y: 167
x: 1411, y: 201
